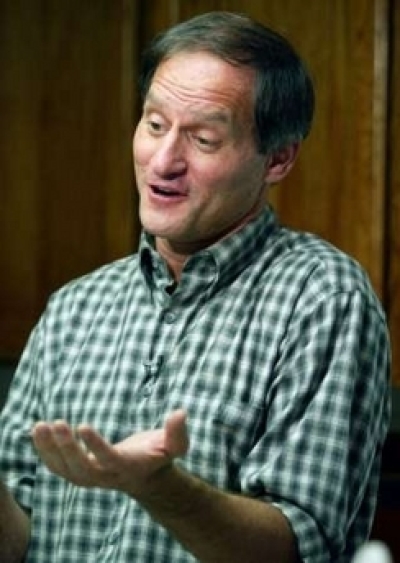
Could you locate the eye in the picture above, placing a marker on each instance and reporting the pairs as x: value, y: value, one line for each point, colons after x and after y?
x: 205, y: 143
x: 154, y: 126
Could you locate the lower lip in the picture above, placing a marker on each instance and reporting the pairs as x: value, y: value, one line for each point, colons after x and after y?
x: 158, y: 197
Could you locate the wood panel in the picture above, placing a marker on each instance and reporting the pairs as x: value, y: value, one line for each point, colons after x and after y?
x: 19, y: 148
x: 66, y: 106
x: 393, y: 250
x: 155, y: 16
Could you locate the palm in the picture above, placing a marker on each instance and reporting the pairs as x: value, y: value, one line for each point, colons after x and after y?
x: 86, y: 459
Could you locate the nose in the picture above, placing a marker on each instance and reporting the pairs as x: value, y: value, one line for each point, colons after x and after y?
x: 168, y: 159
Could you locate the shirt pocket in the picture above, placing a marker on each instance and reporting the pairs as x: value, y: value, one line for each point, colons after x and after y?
x: 221, y: 438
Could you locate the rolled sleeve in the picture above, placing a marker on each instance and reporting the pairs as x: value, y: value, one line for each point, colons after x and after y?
x: 326, y: 424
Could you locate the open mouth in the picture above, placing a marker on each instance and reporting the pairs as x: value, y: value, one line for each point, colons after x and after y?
x: 166, y: 192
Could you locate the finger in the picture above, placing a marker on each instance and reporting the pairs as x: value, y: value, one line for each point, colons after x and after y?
x: 47, y: 448
x: 63, y: 454
x: 100, y: 449
x: 176, y: 434
x: 81, y: 465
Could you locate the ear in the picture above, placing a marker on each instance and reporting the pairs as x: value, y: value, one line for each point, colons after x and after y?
x: 280, y: 163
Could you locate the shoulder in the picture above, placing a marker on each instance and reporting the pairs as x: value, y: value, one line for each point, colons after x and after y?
x: 324, y: 264
x: 311, y: 270
x: 102, y: 285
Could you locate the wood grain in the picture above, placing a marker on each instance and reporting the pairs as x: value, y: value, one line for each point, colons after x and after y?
x: 393, y: 208
x: 67, y: 105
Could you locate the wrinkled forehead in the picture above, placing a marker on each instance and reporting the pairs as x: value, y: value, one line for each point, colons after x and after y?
x: 204, y: 79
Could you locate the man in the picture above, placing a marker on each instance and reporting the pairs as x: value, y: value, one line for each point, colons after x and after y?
x: 222, y: 396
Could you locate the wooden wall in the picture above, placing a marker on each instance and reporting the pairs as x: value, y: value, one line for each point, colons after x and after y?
x: 66, y: 111
x: 392, y: 161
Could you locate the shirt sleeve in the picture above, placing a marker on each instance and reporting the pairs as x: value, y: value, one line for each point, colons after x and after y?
x: 18, y: 459
x: 318, y: 459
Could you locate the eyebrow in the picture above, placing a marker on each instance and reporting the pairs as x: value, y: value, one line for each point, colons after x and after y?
x: 207, y: 115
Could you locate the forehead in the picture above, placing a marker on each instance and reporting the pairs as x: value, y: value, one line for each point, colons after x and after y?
x: 201, y: 80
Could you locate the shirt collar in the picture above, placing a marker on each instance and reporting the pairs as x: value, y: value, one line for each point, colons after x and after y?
x: 218, y: 264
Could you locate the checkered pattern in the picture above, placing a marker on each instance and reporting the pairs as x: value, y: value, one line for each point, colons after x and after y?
x: 273, y: 342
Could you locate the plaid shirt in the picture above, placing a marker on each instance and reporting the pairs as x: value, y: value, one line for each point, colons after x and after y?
x: 273, y: 342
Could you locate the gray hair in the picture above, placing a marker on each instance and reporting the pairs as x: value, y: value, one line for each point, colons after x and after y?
x: 284, y: 94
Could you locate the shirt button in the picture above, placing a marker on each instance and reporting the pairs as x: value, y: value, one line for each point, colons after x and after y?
x: 146, y: 392
x: 170, y: 317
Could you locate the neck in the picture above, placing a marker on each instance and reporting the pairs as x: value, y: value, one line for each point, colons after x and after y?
x: 175, y: 258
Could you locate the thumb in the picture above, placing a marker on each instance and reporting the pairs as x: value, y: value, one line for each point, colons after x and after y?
x: 176, y: 435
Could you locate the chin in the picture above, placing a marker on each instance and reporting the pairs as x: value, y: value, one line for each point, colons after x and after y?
x: 158, y: 224
x: 157, y: 229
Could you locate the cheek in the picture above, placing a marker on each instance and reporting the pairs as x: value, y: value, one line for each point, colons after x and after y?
x: 219, y: 178
x: 141, y: 148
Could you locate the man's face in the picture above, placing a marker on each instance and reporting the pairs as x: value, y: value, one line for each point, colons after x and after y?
x: 198, y: 171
